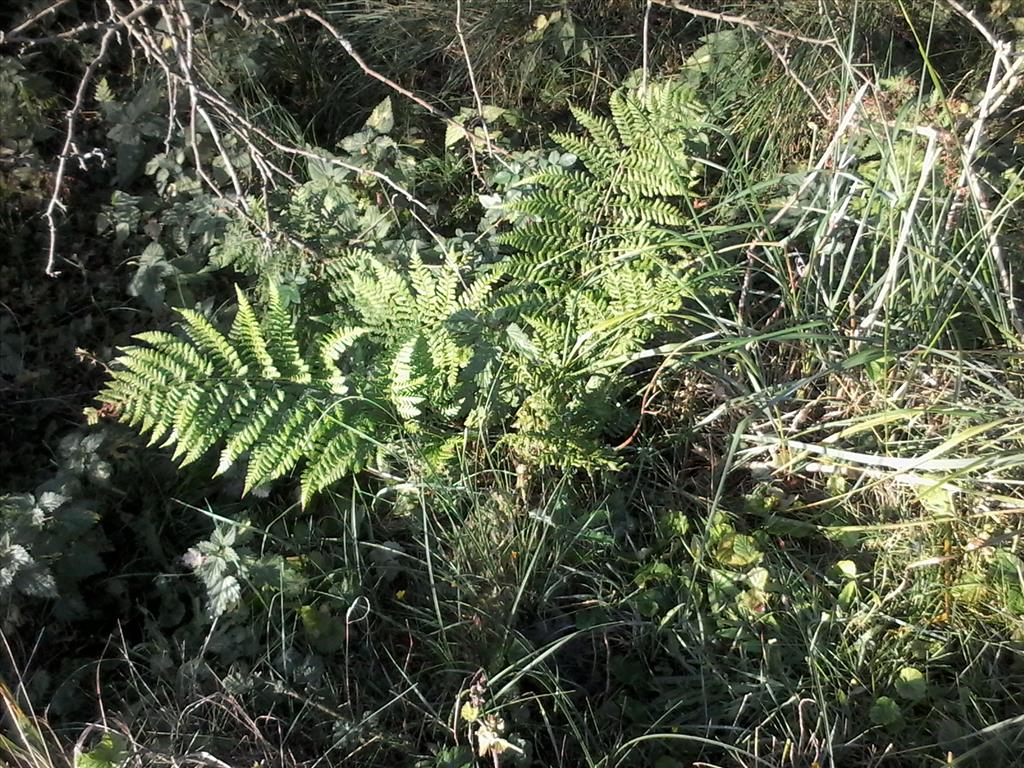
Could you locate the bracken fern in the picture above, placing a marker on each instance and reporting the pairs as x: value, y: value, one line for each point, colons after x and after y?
x: 529, y: 343
x: 396, y: 361
x: 599, y: 264
x: 253, y: 392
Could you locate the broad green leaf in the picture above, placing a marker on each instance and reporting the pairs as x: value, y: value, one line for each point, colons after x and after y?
x: 848, y: 594
x: 111, y: 752
x: 911, y: 684
x: 758, y: 579
x: 382, y: 119
x: 847, y: 568
x: 885, y: 711
x: 453, y: 134
x: 738, y: 550
x: 491, y: 112
x: 522, y: 342
x: 148, y: 281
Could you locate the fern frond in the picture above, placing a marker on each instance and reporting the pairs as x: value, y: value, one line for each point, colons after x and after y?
x: 332, y: 347
x: 253, y: 392
x: 602, y: 131
x: 410, y: 371
x: 599, y: 250
x: 247, y: 337
x: 601, y: 162
x: 252, y: 415
x: 283, y: 445
x: 477, y: 296
x: 211, y: 343
x: 341, y: 453
x: 279, y: 333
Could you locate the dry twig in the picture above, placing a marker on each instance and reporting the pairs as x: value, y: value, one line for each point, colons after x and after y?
x: 172, y: 49
x: 65, y: 154
x: 743, y: 21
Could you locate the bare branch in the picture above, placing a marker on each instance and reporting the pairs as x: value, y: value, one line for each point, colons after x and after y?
x: 108, y: 24
x: 359, y: 60
x: 1004, y: 79
x: 65, y: 153
x: 171, y: 48
x: 369, y: 71
x: 743, y: 21
x: 35, y: 18
x: 472, y: 77
x: 764, y: 33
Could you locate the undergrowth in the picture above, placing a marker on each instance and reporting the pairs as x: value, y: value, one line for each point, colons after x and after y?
x: 601, y: 384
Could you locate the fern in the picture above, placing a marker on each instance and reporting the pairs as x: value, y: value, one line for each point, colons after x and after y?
x: 598, y: 267
x: 253, y: 392
x: 430, y: 330
x: 621, y: 207
x: 400, y: 359
x: 408, y: 342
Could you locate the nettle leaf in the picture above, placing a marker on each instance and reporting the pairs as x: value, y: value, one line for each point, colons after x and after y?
x: 21, y: 514
x: 49, y: 501
x: 36, y: 580
x: 223, y: 589
x: 148, y: 281
x: 382, y: 119
x: 453, y: 134
x: 78, y: 452
x: 224, y: 595
x: 13, y: 559
x: 75, y: 519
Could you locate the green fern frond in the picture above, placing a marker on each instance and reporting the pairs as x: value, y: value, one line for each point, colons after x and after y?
x: 602, y: 130
x: 598, y: 265
x: 247, y: 337
x: 210, y: 342
x: 410, y: 372
x: 598, y: 160
x: 341, y: 452
x: 416, y: 343
x: 252, y: 416
x: 279, y: 334
x: 253, y: 392
x: 284, y: 444
x: 477, y: 296
x: 332, y: 347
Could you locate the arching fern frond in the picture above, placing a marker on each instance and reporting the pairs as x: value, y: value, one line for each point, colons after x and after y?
x: 403, y: 354
x: 406, y: 345
x: 601, y: 247
x: 639, y: 164
x: 253, y: 392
